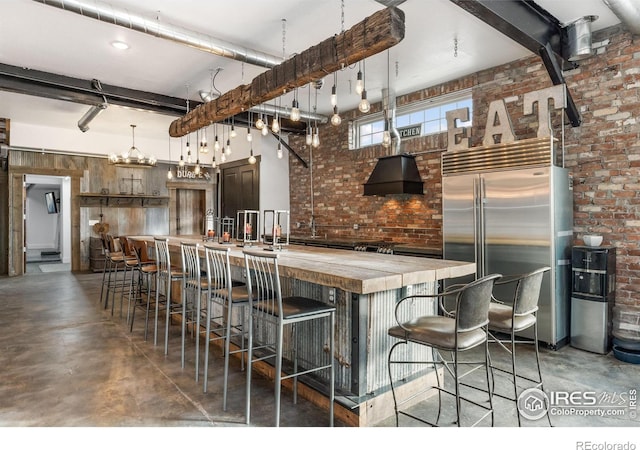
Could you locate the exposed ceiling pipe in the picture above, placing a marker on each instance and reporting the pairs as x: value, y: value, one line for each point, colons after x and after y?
x: 628, y: 11
x: 285, y: 112
x: 120, y: 16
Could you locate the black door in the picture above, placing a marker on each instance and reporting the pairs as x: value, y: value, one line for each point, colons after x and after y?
x: 240, y: 187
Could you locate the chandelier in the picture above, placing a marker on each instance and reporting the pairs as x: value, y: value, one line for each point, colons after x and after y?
x: 132, y: 157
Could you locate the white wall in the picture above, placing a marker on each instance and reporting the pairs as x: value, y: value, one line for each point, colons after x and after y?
x: 42, y: 228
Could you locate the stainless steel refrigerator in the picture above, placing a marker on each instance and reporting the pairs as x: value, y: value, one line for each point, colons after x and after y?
x: 509, y: 209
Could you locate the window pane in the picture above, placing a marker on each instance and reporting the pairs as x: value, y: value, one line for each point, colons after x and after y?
x: 432, y: 113
x: 365, y: 129
x: 416, y: 118
x: 431, y: 127
x: 403, y: 120
x: 377, y: 126
x: 376, y: 138
x: 365, y: 140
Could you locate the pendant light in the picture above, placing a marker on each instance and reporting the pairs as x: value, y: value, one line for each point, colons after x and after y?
x: 295, y: 107
x: 181, y: 162
x: 233, y: 128
x: 364, y: 105
x: 216, y: 143
x: 279, y: 152
x: 252, y: 159
x: 204, y: 149
x: 169, y: 172
x: 309, y: 136
x: 196, y: 169
x: 386, y: 134
x: 359, y: 80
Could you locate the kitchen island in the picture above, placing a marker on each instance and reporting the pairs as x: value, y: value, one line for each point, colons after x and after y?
x: 365, y: 288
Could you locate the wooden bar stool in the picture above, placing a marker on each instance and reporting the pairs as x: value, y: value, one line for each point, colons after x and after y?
x: 146, y: 269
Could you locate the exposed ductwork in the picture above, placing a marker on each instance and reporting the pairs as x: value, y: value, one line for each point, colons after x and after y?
x: 398, y: 173
x: 105, y: 12
x: 628, y: 11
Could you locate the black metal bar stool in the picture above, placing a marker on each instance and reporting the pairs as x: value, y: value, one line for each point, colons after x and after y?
x: 465, y: 329
x: 516, y: 316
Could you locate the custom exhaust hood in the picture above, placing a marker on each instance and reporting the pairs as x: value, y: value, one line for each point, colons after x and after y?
x: 395, y: 174
x: 398, y: 173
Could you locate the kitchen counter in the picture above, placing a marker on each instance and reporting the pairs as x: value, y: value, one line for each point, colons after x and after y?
x: 365, y: 287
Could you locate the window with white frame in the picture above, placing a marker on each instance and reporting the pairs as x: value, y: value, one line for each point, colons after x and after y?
x: 430, y: 114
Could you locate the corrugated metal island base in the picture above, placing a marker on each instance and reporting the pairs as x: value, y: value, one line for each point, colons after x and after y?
x: 365, y: 288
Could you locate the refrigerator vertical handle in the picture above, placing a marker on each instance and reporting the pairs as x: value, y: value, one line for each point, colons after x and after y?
x: 480, y: 226
x: 477, y: 232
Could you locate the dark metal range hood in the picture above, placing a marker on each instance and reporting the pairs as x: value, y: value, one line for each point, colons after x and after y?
x: 396, y: 174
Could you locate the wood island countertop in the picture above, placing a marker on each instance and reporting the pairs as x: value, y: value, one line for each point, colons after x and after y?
x: 357, y: 272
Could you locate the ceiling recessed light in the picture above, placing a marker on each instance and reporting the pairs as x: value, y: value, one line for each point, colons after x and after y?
x: 120, y: 45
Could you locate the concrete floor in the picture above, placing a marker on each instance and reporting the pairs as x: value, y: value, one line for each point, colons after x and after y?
x: 66, y: 362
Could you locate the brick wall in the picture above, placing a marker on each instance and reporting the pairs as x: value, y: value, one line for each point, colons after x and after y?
x: 603, y: 155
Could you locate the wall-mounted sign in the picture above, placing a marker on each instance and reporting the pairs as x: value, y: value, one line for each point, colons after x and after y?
x: 187, y: 173
x: 410, y: 131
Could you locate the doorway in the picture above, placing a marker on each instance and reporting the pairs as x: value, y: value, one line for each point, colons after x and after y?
x: 190, y: 211
x: 47, y: 224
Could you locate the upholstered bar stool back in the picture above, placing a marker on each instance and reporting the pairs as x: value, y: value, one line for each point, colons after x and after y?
x: 508, y: 318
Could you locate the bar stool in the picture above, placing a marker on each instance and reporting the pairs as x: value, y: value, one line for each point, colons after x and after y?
x: 117, y: 260
x: 192, y: 282
x: 464, y: 330
x: 268, y: 307
x: 518, y: 315
x: 165, y: 276
x: 225, y: 294
x: 146, y: 270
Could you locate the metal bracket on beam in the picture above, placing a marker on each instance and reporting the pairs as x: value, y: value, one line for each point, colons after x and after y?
x: 292, y: 151
x: 551, y: 63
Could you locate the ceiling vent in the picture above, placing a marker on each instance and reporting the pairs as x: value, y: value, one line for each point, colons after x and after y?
x: 579, y: 38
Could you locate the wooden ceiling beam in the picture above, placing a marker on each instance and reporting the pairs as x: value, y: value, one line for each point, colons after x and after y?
x: 376, y: 33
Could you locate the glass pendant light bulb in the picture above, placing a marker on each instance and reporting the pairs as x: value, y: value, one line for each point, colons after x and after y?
x: 203, y: 144
x: 233, y: 131
x: 196, y: 169
x: 169, y: 175
x: 181, y: 162
x: 335, y: 118
x: 216, y: 144
x: 260, y: 123
x: 213, y: 163
x: 309, y: 136
x: 223, y: 157
x: 295, y: 110
x: 364, y: 105
x: 113, y: 157
x: 252, y: 159
x: 279, y: 152
x: 264, y: 131
x: 334, y: 96
x: 316, y: 138
x: 386, y: 138
x: 359, y: 83
x: 249, y: 137
x: 227, y: 149
x: 275, y: 125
